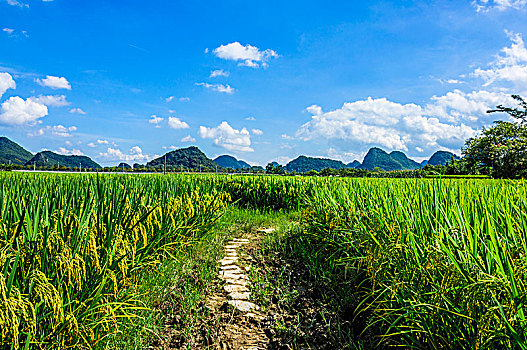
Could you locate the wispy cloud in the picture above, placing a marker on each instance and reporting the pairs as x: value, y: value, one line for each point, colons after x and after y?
x: 218, y: 87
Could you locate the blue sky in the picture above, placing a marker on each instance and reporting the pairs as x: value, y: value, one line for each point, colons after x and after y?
x: 129, y: 80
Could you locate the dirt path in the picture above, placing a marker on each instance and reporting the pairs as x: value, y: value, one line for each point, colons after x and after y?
x: 240, y: 323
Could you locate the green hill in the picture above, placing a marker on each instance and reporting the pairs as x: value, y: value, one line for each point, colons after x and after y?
x: 49, y: 159
x: 441, y: 158
x: 378, y: 158
x: 11, y: 152
x: 355, y: 164
x: 188, y: 158
x: 303, y: 164
x: 227, y: 161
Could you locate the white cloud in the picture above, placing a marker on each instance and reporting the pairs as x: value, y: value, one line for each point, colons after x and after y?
x: 188, y: 138
x: 55, y: 130
x: 14, y: 33
x: 247, y: 55
x: 501, y: 5
x: 170, y: 147
x: 6, y: 82
x: 314, y: 110
x: 250, y: 118
x: 17, y: 111
x: 218, y: 87
x: 92, y: 145
x: 70, y: 152
x: 176, y: 123
x: 51, y: 100
x: 77, y: 111
x: 457, y: 105
x: 380, y: 122
x: 510, y: 66
x: 55, y: 82
x: 227, y: 137
x: 16, y: 3
x: 154, y: 119
x: 184, y: 99
x: 102, y: 142
x: 134, y: 154
x: 219, y: 73
x: 169, y: 98
x: 257, y: 131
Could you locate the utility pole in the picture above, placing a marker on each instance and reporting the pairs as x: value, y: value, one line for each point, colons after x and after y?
x: 34, y: 166
x: 80, y: 168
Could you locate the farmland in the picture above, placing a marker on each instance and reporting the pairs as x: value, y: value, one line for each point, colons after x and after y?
x: 423, y: 263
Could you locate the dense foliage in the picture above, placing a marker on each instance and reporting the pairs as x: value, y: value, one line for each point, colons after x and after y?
x: 500, y: 150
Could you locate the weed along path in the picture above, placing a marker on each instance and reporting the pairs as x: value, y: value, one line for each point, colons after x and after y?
x: 242, y: 323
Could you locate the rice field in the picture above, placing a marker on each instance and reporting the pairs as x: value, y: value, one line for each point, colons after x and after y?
x: 422, y: 263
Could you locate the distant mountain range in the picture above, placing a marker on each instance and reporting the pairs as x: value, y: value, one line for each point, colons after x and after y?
x: 49, y: 159
x: 192, y: 158
x: 375, y: 158
x: 226, y: 161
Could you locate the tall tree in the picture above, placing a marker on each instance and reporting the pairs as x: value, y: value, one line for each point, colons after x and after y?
x: 501, y: 148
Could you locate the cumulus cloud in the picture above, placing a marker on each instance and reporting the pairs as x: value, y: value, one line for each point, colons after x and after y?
x: 77, y: 111
x: 218, y: 87
x: 176, y: 123
x: 184, y: 99
x: 395, y: 126
x: 501, y: 5
x: 247, y: 55
x: 102, y: 142
x: 314, y: 110
x: 510, y: 65
x: 188, y: 138
x: 51, y: 100
x: 55, y: 82
x: 55, y: 130
x: 17, y: 111
x: 227, y: 137
x: 6, y: 82
x: 9, y: 31
x: 250, y: 118
x: 92, y: 145
x: 257, y: 131
x: 169, y: 99
x: 219, y: 73
x: 135, y: 154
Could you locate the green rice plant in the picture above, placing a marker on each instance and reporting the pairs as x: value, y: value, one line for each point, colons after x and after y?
x: 444, y: 260
x: 72, y: 249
